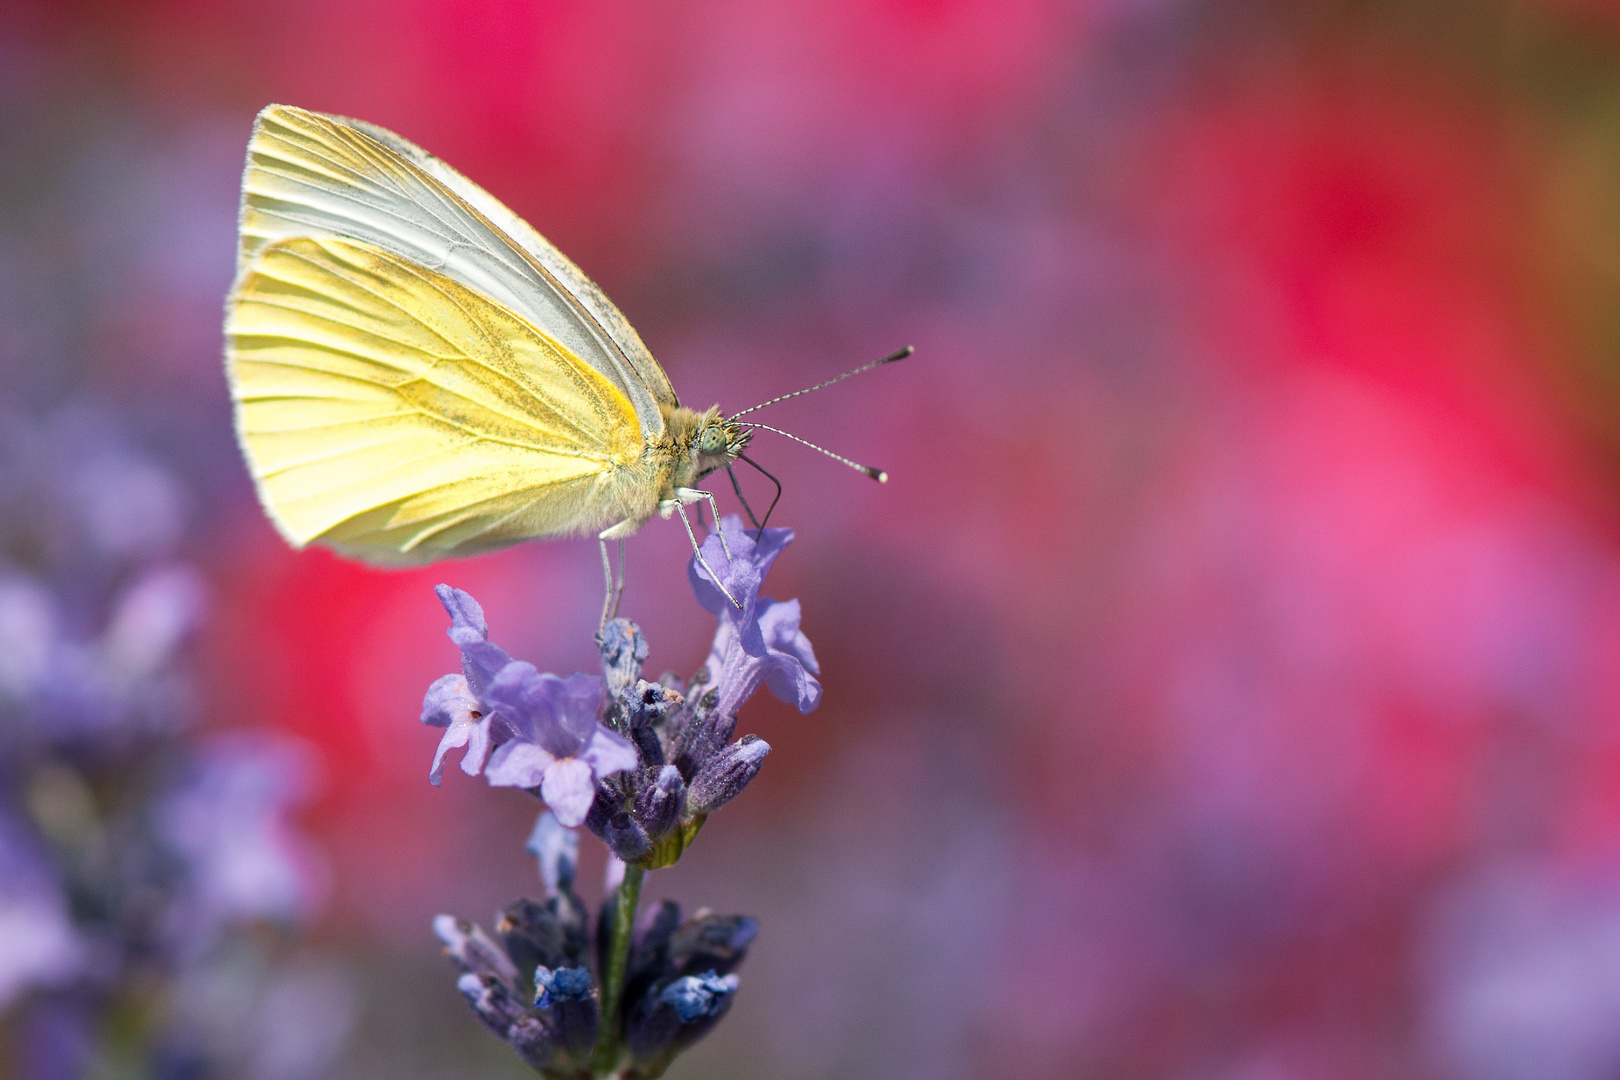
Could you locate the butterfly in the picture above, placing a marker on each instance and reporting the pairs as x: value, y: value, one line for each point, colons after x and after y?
x: 418, y: 374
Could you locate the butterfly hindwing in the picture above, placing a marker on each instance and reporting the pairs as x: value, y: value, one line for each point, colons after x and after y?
x: 391, y: 412
x: 312, y: 175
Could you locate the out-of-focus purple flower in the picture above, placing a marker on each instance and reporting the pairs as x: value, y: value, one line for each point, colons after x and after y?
x: 760, y: 641
x: 28, y: 637
x: 242, y: 1014
x: 151, y: 620
x: 1523, y: 976
x: 38, y: 945
x: 229, y: 823
x: 68, y: 688
x: 521, y: 728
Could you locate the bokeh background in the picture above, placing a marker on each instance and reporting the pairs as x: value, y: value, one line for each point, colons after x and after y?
x: 1226, y: 686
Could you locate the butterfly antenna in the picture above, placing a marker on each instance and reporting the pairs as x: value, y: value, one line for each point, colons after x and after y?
x: 898, y: 354
x: 877, y: 474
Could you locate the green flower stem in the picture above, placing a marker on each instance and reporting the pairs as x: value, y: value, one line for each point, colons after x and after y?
x: 606, y: 1060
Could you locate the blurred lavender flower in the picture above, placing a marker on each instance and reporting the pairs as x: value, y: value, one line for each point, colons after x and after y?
x: 38, y: 945
x: 1523, y: 974
x: 227, y: 820
x: 642, y: 764
x: 127, y: 854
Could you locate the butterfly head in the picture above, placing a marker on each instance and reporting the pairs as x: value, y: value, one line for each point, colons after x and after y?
x: 718, y: 442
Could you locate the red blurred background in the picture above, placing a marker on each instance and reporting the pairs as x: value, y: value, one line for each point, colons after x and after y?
x: 1225, y: 685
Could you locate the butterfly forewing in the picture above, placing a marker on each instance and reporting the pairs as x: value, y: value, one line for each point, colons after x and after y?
x: 312, y: 175
x: 391, y: 412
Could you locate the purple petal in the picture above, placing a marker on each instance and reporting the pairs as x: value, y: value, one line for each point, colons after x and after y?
x: 465, y: 731
x: 449, y: 704
x: 781, y: 655
x: 608, y: 752
x: 478, y: 744
x: 481, y: 660
x: 743, y: 573
x: 447, y: 700
x: 519, y: 764
x: 558, y: 714
x: 779, y: 626
x: 568, y: 789
x: 791, y: 683
x: 578, y: 702
x: 463, y: 609
x: 790, y: 673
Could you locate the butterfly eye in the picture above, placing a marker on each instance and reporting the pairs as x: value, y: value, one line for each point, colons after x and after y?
x: 712, y: 440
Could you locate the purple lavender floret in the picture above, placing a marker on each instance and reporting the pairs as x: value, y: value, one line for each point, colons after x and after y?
x: 761, y: 640
x: 558, y: 748
x: 521, y: 728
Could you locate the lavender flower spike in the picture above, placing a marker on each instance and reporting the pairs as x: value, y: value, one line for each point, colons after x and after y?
x: 761, y: 641
x: 559, y: 747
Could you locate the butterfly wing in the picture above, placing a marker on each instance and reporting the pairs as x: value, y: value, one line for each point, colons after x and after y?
x: 310, y: 174
x: 394, y: 414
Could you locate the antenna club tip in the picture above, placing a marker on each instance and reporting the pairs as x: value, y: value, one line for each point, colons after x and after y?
x: 898, y: 354
x: 879, y: 475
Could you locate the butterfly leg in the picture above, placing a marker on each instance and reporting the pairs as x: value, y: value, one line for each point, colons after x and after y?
x: 610, y: 602
x: 692, y: 495
x: 607, y: 597
x: 690, y: 535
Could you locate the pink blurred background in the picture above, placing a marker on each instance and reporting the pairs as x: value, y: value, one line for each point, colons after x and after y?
x: 1226, y: 686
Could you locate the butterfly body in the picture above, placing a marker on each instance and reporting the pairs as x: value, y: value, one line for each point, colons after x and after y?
x: 417, y: 374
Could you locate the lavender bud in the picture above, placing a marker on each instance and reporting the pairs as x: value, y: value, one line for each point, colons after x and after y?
x: 505, y: 1015
x: 649, y: 956
x: 702, y: 737
x: 647, y: 711
x: 709, y: 942
x: 724, y: 776
x: 658, y: 805
x: 669, y: 1018
x: 551, y: 934
x: 696, y: 997
x: 473, y: 951
x: 625, y: 836
x: 562, y: 984
x: 623, y: 649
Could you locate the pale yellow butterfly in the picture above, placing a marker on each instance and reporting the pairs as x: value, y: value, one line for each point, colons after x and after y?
x: 417, y: 374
